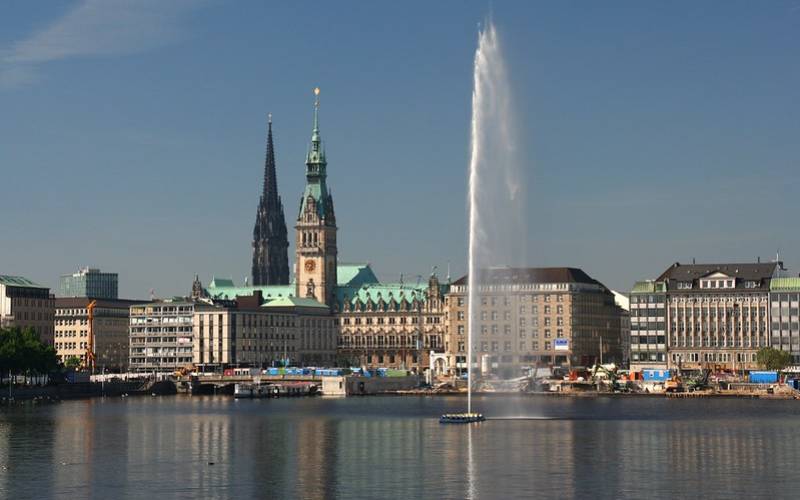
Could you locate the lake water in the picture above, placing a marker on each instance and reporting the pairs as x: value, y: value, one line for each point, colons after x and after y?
x: 394, y: 447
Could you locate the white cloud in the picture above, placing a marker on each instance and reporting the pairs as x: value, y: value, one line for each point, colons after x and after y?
x: 95, y: 28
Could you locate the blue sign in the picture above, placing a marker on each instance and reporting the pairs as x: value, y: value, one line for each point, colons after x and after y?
x: 562, y: 345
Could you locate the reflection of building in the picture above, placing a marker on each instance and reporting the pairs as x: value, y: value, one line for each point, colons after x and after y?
x: 24, y: 303
x: 702, y: 314
x: 110, y: 329
x: 785, y: 319
x: 88, y: 283
x: 533, y: 316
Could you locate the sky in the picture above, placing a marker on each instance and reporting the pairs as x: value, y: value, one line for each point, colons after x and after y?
x: 132, y: 134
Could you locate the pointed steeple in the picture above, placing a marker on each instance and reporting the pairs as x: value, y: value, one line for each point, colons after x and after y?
x: 270, y: 237
x: 270, y: 191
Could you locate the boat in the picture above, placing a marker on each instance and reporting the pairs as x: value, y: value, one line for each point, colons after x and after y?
x: 244, y: 390
x: 461, y: 418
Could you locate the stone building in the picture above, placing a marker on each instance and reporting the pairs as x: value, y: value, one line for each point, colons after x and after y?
x: 110, y: 328
x: 249, y: 331
x: 24, y: 303
x: 391, y: 325
x: 703, y: 315
x: 532, y: 317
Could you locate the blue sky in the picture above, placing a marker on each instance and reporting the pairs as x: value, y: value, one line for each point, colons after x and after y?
x: 132, y: 133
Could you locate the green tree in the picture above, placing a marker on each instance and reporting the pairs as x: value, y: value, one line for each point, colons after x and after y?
x: 21, y: 351
x: 773, y: 359
x: 72, y: 363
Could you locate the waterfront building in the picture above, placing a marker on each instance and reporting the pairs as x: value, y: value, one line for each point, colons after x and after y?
x: 532, y: 317
x: 648, y: 317
x: 24, y: 303
x: 161, y: 335
x: 624, y: 303
x: 270, y: 241
x: 391, y: 325
x: 253, y: 332
x: 784, y: 296
x: 89, y: 282
x: 110, y: 327
x: 714, y: 315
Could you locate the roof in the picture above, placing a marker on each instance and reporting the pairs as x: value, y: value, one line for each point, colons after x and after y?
x: 19, y: 281
x: 354, y: 275
x: 527, y: 275
x: 760, y: 273
x: 267, y: 291
x: 220, y: 282
x: 785, y: 284
x: 295, y: 302
x: 71, y: 302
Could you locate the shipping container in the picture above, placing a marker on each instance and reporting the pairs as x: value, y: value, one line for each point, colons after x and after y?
x: 763, y: 377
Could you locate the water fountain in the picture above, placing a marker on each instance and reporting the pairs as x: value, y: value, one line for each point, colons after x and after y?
x: 495, y: 195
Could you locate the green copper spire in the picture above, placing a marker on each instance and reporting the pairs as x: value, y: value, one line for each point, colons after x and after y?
x: 316, y: 164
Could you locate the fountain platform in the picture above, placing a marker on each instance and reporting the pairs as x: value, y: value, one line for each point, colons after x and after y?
x: 461, y: 418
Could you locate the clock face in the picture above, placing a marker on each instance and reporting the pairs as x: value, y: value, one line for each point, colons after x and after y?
x: 310, y: 265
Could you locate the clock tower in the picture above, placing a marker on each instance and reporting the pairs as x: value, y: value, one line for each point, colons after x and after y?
x: 315, y: 232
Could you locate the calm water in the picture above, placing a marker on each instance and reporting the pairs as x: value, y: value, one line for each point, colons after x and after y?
x: 393, y: 447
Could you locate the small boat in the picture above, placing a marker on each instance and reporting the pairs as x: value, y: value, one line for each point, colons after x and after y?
x: 461, y: 418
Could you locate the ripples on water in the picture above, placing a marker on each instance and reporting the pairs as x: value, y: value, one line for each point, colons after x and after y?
x: 393, y: 447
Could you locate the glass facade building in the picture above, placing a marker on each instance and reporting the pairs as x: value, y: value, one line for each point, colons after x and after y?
x: 89, y: 283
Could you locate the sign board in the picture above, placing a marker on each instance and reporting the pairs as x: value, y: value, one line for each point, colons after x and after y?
x: 562, y: 345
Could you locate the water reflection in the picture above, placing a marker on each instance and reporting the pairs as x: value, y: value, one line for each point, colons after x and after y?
x: 392, y: 448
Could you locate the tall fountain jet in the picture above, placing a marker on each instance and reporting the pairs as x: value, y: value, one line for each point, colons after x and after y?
x: 496, y: 230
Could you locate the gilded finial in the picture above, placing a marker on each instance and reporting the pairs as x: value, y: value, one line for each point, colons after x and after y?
x: 316, y: 94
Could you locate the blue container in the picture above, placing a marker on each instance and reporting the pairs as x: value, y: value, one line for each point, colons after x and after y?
x: 763, y: 377
x: 651, y: 375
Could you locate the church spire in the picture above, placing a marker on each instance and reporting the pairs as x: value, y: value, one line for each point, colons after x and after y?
x: 270, y: 191
x: 270, y: 237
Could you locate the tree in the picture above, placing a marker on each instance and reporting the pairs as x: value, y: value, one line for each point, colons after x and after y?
x: 72, y: 363
x: 773, y: 359
x: 21, y: 351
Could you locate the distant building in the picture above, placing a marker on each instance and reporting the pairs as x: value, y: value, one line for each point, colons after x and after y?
x: 533, y: 317
x: 110, y: 328
x: 705, y: 315
x: 623, y: 301
x: 251, y: 332
x: 648, y: 318
x: 391, y: 325
x: 784, y: 293
x: 24, y: 303
x: 89, y: 282
x: 161, y: 335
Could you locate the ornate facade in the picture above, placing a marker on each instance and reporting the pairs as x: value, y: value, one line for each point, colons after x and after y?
x: 270, y: 241
x: 315, y: 232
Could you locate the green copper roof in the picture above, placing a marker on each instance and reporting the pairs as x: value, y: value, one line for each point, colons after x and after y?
x: 294, y: 302
x: 400, y: 292
x: 231, y: 292
x: 354, y: 275
x: 18, y: 281
x: 784, y: 284
x: 220, y: 282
